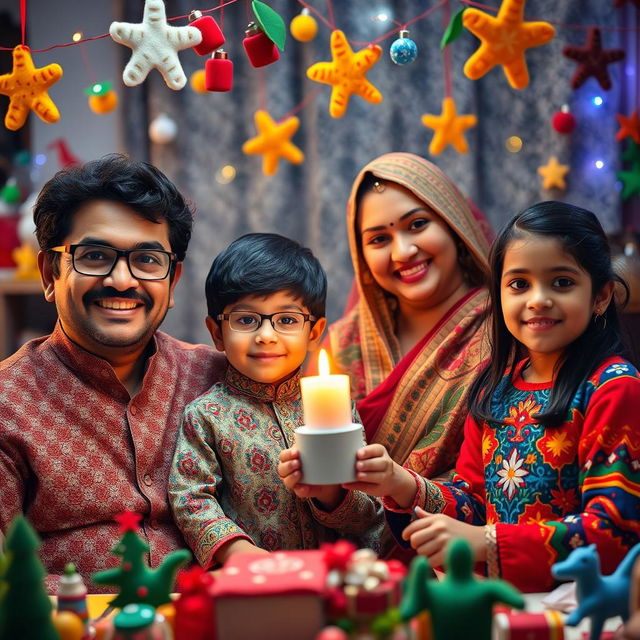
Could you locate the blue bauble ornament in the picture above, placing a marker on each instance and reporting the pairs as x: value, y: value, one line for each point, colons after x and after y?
x: 403, y: 50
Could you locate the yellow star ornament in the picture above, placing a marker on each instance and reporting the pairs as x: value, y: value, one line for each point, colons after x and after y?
x: 449, y: 128
x: 346, y: 74
x: 504, y: 38
x: 273, y: 141
x: 553, y: 174
x: 27, y: 87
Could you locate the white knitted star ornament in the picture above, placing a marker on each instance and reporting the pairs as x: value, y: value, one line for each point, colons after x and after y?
x: 155, y: 44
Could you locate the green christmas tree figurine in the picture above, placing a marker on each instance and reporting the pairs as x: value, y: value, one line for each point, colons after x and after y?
x: 461, y: 606
x: 25, y: 608
x: 138, y: 583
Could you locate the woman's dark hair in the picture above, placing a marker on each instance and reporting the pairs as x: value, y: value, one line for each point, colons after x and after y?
x: 116, y: 177
x: 261, y: 264
x: 474, y: 274
x: 581, y: 236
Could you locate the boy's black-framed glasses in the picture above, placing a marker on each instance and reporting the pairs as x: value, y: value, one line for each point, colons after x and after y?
x: 99, y: 260
x: 288, y: 322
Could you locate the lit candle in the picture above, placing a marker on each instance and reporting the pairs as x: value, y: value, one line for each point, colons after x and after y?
x: 326, y: 400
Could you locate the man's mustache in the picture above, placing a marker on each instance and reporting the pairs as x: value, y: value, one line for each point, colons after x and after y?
x: 110, y: 292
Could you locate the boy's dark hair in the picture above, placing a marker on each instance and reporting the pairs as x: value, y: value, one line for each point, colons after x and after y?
x: 261, y: 264
x: 116, y: 177
x: 582, y: 236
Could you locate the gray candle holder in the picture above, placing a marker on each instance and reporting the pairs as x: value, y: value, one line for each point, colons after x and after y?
x: 328, y: 456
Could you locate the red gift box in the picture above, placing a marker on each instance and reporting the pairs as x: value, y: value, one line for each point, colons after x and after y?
x: 363, y: 603
x: 548, y: 625
x: 271, y: 597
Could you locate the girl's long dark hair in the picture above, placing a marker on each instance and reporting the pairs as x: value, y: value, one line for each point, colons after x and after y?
x: 582, y: 236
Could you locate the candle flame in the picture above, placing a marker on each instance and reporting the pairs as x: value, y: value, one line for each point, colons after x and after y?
x: 323, y: 363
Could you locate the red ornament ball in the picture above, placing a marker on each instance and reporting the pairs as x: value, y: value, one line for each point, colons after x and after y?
x: 563, y: 122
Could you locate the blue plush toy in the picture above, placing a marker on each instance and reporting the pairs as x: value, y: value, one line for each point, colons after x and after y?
x: 599, y: 597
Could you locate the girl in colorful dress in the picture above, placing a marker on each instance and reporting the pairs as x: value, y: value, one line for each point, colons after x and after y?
x: 551, y: 454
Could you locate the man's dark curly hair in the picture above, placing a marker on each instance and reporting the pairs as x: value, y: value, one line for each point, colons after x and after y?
x: 115, y: 177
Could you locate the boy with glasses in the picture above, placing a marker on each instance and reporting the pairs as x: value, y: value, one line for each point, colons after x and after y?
x: 89, y: 415
x: 266, y: 304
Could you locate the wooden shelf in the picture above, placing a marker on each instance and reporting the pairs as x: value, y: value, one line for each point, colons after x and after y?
x: 24, y: 313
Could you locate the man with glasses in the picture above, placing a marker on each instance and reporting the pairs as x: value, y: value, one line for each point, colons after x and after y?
x: 266, y: 304
x: 89, y: 415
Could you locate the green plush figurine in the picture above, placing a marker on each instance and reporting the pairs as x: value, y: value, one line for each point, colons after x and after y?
x: 25, y: 608
x: 138, y: 583
x: 461, y: 606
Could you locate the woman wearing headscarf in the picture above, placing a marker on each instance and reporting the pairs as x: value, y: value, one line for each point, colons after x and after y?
x: 414, y: 340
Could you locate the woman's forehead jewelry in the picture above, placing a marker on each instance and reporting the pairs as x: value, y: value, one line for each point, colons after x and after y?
x: 378, y: 187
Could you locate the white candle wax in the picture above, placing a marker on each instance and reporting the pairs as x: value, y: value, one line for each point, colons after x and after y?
x: 326, y: 400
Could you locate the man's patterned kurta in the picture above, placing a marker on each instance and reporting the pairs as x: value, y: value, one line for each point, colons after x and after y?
x: 75, y: 449
x: 549, y: 490
x: 224, y: 483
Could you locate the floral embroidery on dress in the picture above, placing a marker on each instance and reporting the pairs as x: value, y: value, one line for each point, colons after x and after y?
x: 266, y: 501
x: 618, y: 369
x: 521, y: 417
x: 558, y: 447
x: 257, y: 460
x: 512, y: 474
x: 489, y: 446
x: 245, y: 420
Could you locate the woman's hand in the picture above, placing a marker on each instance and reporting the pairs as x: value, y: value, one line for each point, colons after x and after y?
x: 378, y: 475
x: 290, y: 471
x: 431, y: 532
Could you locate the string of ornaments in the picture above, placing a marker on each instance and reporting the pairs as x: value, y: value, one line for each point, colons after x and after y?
x: 155, y: 44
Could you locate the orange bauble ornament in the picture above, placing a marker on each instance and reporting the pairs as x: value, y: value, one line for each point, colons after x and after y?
x: 102, y: 98
x: 304, y: 27
x: 68, y: 625
x: 197, y: 81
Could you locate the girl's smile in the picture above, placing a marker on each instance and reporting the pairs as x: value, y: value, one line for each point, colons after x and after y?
x: 541, y: 324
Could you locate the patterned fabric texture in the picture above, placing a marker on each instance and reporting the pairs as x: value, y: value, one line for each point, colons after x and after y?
x: 75, y: 449
x: 550, y: 490
x: 225, y: 485
x: 307, y: 201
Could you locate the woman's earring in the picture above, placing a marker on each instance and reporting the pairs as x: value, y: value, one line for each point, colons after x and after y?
x: 596, y: 318
x: 378, y: 187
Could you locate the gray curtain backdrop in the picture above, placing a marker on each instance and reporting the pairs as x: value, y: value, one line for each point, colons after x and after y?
x: 307, y: 202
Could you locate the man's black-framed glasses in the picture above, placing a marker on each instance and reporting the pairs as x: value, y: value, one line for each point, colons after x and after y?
x: 289, y: 322
x: 99, y: 260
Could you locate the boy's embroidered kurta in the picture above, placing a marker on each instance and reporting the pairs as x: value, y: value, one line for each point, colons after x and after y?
x: 225, y: 483
x: 549, y: 490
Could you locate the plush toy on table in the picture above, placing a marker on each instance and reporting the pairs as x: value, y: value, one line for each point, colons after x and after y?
x: 599, y: 597
x: 25, y: 608
x: 461, y: 606
x: 138, y: 583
